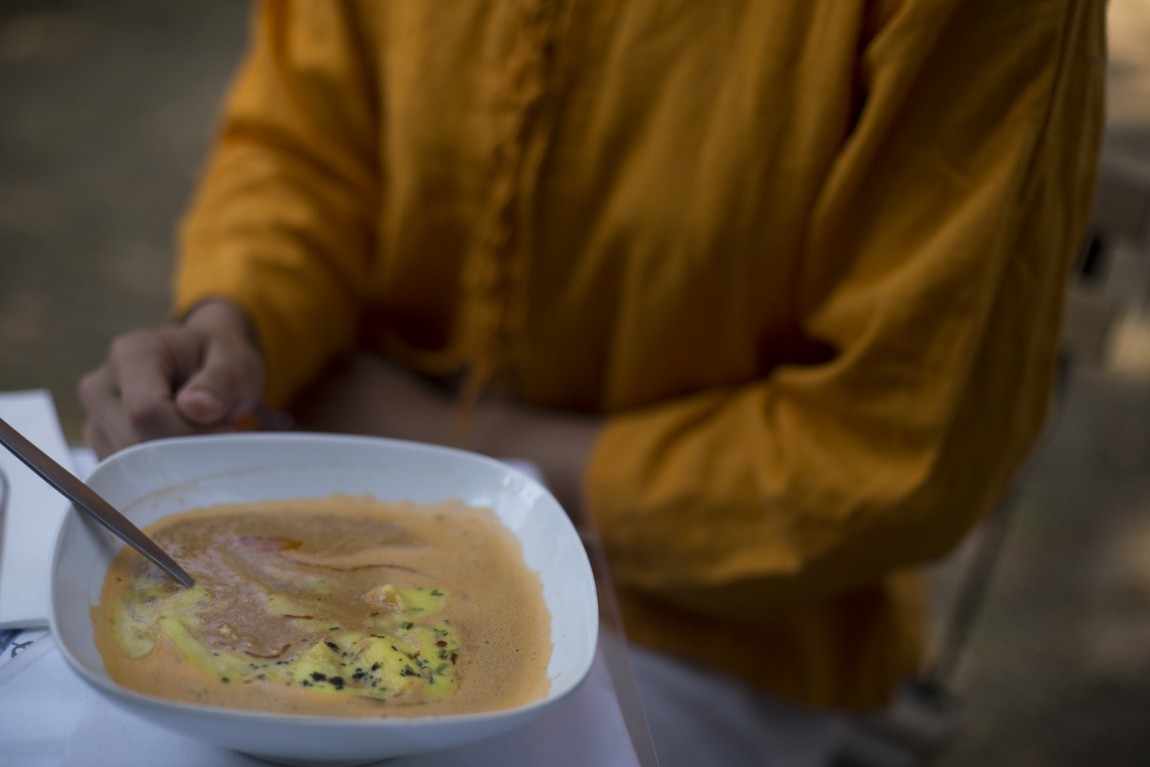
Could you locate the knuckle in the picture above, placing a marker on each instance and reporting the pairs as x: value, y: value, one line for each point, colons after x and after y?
x: 144, y: 417
x: 90, y: 387
x: 134, y: 342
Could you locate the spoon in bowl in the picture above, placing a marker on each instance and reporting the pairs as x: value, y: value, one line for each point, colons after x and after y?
x: 89, y: 500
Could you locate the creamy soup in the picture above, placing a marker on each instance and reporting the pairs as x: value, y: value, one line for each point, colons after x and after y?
x: 342, y: 606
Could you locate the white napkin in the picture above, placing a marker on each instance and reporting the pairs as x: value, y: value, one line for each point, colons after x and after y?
x: 34, y: 512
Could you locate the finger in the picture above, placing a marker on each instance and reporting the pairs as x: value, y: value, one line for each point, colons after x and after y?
x: 97, y: 398
x: 146, y: 368
x: 96, y: 440
x: 226, y: 387
x: 107, y: 429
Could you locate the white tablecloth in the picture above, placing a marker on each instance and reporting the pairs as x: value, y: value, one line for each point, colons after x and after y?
x: 49, y: 717
x: 34, y: 511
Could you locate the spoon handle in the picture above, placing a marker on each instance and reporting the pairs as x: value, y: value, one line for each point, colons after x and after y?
x: 89, y: 500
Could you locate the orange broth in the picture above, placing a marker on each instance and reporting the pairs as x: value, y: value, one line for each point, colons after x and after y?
x: 336, y: 607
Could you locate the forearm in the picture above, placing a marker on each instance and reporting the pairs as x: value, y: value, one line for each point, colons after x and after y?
x: 369, y: 395
x: 283, y: 220
x: 558, y: 443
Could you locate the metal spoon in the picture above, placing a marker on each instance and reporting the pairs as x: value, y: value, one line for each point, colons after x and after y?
x: 89, y: 500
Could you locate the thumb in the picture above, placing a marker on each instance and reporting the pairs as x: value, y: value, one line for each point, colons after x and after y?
x: 225, y: 388
x: 200, y: 405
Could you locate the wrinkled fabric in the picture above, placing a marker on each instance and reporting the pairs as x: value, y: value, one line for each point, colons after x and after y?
x: 806, y: 257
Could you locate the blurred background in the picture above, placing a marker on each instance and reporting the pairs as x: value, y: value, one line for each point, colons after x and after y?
x: 106, y: 109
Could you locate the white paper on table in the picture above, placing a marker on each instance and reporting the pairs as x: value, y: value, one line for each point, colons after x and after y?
x: 34, y: 513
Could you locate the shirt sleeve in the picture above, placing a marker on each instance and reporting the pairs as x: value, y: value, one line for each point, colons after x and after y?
x: 933, y: 271
x: 284, y: 218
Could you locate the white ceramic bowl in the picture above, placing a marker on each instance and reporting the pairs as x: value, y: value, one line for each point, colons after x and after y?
x: 156, y: 479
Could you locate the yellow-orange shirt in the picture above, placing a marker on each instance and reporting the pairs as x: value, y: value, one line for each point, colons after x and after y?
x: 806, y: 256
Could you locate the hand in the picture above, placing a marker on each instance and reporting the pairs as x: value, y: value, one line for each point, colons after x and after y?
x: 201, y: 376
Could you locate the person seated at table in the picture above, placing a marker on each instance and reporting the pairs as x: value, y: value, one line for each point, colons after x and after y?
x: 770, y: 293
